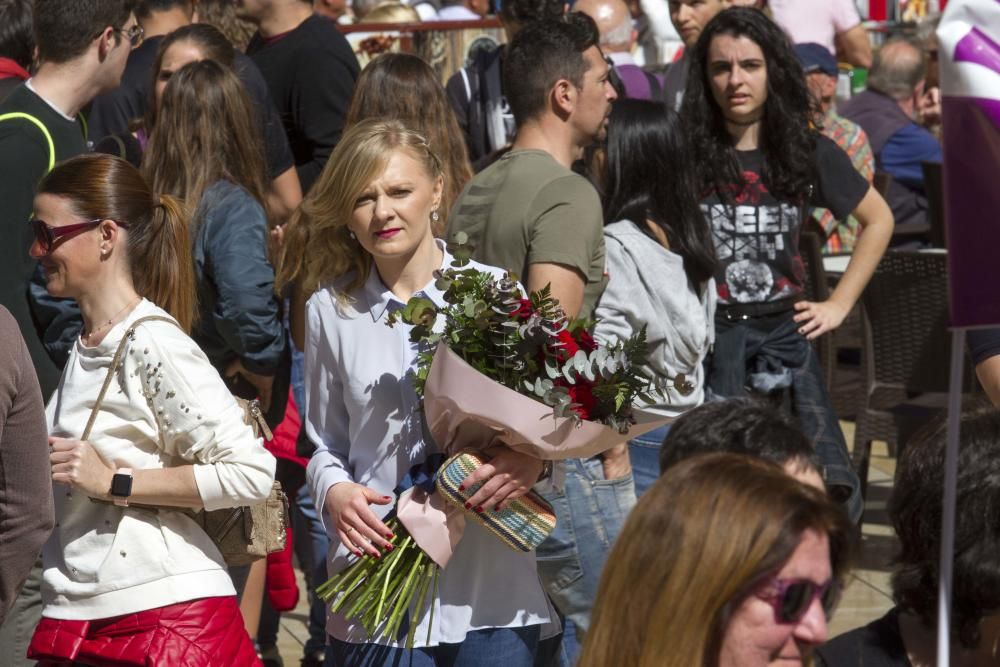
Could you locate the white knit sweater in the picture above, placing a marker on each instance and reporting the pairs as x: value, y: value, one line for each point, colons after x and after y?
x: 167, y: 407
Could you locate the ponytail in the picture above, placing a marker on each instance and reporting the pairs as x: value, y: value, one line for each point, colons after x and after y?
x: 162, y: 263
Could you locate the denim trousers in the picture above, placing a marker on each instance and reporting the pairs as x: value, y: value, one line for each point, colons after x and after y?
x: 310, y: 541
x: 493, y: 647
x: 590, y: 512
x: 644, y: 455
x: 760, y: 346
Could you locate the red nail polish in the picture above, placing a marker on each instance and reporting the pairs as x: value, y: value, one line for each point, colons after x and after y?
x: 389, y: 536
x: 386, y: 497
x: 479, y: 510
x: 496, y: 509
x: 468, y: 506
x: 378, y: 555
x: 389, y: 547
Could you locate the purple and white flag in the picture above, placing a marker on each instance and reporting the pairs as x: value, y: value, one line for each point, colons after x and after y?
x: 969, y: 38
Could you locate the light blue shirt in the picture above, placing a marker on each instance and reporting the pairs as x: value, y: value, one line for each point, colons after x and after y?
x: 362, y: 414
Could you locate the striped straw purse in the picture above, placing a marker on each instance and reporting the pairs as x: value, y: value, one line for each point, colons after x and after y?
x: 522, y: 524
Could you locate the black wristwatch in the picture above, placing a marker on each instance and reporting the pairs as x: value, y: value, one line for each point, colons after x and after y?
x: 121, y: 486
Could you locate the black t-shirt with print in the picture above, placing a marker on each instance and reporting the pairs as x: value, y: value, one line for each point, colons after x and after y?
x: 757, y: 238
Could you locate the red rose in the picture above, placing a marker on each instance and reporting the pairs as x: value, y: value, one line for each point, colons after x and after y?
x: 568, y: 346
x: 582, y: 393
x: 586, y: 341
x: 524, y: 310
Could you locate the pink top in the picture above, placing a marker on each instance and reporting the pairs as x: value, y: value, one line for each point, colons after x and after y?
x: 813, y: 21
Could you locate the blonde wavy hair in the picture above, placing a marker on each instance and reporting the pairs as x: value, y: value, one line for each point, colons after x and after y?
x: 318, y: 247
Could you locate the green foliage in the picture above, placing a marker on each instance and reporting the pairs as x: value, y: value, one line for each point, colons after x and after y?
x: 523, y: 342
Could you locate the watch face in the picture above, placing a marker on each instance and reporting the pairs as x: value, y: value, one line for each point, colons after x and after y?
x: 121, y: 485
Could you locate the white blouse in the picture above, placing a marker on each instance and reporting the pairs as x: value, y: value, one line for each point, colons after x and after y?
x: 362, y: 414
x: 168, y: 407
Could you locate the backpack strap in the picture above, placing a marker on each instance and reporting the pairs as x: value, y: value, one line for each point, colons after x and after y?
x: 41, y: 126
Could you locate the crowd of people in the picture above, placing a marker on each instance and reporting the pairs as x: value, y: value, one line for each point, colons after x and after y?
x: 210, y: 203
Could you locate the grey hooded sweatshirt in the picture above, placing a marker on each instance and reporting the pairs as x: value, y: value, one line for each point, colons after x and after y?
x: 647, y: 286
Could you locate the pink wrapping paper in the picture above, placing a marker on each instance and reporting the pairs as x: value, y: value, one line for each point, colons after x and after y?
x: 465, y: 409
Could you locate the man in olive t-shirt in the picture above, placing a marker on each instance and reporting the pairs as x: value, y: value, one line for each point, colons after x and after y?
x: 529, y: 213
x: 527, y: 209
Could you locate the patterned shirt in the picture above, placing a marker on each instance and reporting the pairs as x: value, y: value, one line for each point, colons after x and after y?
x: 841, y: 235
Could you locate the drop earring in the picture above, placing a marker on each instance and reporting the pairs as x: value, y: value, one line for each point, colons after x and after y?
x: 351, y: 234
x: 435, y: 216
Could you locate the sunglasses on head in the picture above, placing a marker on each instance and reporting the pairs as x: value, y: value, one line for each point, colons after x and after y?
x: 46, y: 235
x: 791, y: 598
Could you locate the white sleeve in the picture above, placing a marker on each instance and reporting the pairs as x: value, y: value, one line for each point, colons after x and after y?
x: 658, y: 13
x: 327, y: 423
x: 199, y: 419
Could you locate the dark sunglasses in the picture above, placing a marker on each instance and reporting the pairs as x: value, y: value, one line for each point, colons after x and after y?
x: 791, y: 598
x: 46, y: 235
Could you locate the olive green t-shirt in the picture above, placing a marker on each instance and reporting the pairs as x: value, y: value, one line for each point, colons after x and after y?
x: 525, y: 209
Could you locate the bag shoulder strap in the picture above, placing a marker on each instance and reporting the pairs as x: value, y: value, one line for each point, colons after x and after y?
x: 115, y: 364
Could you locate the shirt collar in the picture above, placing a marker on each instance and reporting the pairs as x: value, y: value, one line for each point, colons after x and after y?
x: 620, y: 58
x: 380, y: 298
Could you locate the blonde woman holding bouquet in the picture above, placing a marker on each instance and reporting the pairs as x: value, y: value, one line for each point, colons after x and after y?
x: 367, y: 224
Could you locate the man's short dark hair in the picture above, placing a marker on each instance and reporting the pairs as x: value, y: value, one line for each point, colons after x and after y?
x: 17, y: 39
x: 65, y: 28
x: 146, y: 8
x: 541, y: 54
x: 740, y: 426
x: 523, y: 12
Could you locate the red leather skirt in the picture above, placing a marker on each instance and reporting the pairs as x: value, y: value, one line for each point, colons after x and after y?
x: 200, y: 633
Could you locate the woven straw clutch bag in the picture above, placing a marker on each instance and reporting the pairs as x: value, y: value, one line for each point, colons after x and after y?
x: 522, y: 524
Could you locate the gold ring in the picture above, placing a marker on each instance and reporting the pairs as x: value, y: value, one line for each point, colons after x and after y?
x: 350, y: 529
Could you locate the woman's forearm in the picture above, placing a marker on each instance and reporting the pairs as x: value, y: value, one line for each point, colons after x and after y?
x: 876, y: 220
x: 174, y: 487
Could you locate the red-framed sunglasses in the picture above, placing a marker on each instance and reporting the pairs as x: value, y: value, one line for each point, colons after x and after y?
x: 791, y: 598
x: 46, y: 235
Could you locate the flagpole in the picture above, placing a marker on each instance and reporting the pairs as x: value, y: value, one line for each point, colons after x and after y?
x: 948, y: 509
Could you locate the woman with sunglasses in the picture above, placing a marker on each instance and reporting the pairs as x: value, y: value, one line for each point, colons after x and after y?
x: 128, y: 576
x: 726, y: 561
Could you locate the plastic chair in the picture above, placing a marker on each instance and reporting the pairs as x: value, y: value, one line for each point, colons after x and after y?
x: 905, y: 361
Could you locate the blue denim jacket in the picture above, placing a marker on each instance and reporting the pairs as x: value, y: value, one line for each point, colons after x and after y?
x: 240, y: 315
x: 767, y: 354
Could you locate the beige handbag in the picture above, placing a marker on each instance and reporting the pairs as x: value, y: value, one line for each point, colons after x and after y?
x: 242, y: 534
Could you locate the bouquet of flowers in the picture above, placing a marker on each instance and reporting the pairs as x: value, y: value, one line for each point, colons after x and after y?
x: 505, y: 367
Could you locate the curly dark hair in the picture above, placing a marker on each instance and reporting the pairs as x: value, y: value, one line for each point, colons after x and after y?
x: 646, y: 176
x: 786, y: 139
x: 916, y: 508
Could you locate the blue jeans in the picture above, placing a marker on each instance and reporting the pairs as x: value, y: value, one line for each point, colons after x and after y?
x: 768, y: 348
x: 644, y: 454
x: 590, y: 512
x: 311, y: 543
x: 494, y: 647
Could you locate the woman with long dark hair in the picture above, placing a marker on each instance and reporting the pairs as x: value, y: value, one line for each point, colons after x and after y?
x: 126, y: 583
x: 660, y: 262
x: 760, y: 163
x: 204, y: 150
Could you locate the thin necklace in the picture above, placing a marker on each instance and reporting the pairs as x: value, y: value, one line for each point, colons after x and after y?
x: 85, y: 337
